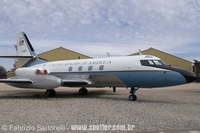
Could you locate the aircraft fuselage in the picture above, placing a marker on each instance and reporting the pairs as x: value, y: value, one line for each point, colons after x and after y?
x: 118, y: 71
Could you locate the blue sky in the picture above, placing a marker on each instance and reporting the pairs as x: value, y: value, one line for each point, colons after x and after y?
x: 94, y: 27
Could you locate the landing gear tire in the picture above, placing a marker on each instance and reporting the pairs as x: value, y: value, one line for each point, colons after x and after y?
x: 50, y: 93
x: 132, y: 98
x: 83, y: 91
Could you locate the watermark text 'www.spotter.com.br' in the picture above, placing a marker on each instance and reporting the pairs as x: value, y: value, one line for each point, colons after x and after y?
x: 99, y: 127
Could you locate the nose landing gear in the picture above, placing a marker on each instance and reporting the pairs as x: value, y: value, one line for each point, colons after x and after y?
x: 133, y: 97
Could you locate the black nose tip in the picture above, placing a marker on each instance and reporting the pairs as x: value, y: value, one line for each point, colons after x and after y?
x: 190, y: 77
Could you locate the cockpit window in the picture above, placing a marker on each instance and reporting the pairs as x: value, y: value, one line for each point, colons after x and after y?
x: 157, y: 62
x: 152, y: 62
x: 162, y: 62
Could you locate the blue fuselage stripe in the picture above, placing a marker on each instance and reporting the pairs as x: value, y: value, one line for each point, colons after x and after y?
x: 144, y: 79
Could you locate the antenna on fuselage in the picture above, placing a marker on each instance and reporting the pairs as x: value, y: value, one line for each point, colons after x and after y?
x: 140, y: 52
x: 107, y: 54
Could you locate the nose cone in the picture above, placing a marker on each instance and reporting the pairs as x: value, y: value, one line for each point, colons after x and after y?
x: 190, y: 77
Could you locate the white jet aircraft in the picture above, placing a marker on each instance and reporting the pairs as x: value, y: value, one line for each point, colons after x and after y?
x: 143, y: 71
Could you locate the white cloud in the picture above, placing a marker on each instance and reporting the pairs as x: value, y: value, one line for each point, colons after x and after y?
x: 117, y: 26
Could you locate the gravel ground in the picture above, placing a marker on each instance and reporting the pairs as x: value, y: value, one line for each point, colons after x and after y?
x: 160, y: 109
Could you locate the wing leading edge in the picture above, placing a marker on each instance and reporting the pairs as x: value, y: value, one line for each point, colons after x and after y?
x: 74, y: 82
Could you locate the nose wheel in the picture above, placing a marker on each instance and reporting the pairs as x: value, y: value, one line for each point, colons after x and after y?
x: 133, y: 97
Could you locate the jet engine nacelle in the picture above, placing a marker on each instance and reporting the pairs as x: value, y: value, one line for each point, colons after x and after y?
x: 31, y: 71
x: 37, y: 82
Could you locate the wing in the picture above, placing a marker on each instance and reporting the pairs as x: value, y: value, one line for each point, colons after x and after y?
x: 92, y: 80
x: 74, y: 82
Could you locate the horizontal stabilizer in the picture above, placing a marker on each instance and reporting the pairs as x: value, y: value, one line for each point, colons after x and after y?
x: 22, y: 81
x: 15, y: 57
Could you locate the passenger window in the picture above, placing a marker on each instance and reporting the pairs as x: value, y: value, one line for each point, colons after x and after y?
x: 90, y: 68
x: 101, y: 67
x: 80, y: 68
x: 70, y: 68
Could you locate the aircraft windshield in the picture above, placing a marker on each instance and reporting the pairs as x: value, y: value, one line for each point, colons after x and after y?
x: 152, y: 62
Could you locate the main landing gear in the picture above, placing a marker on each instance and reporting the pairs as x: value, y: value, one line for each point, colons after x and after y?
x: 83, y: 91
x: 114, y: 89
x: 50, y: 93
x: 133, y: 97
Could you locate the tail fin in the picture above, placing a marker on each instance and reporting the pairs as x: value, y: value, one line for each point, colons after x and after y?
x: 24, y: 51
x: 23, y: 46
